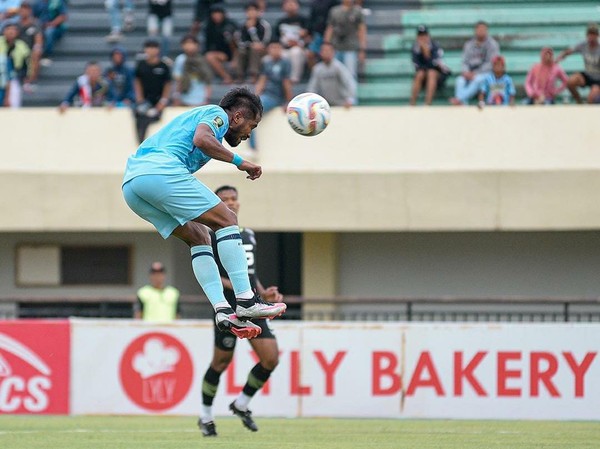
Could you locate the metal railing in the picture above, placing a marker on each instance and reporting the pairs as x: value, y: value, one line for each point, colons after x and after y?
x: 454, y: 309
x: 335, y: 309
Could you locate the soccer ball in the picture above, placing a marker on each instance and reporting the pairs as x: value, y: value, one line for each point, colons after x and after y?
x: 308, y: 114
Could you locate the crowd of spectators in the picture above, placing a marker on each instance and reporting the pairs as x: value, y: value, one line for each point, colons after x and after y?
x: 271, y: 56
x: 324, y: 48
x: 29, y: 32
x: 484, y: 71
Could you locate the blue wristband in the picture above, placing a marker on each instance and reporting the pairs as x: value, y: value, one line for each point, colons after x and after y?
x: 237, y: 160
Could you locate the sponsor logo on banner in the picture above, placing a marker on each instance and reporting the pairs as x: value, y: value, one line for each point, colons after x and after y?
x: 156, y: 371
x: 34, y: 367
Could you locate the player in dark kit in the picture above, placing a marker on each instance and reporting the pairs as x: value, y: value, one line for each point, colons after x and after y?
x: 265, y: 345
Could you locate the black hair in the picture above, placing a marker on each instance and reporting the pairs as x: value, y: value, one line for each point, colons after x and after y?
x: 10, y: 24
x: 328, y: 44
x: 189, y: 37
x: 242, y: 98
x: 482, y: 22
x: 251, y: 4
x: 91, y: 63
x: 151, y: 43
x: 225, y: 188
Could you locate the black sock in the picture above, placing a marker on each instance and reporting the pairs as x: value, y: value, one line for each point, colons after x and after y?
x: 210, y: 385
x: 256, y: 379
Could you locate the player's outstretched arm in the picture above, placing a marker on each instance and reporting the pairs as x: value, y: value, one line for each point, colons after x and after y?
x: 206, y: 140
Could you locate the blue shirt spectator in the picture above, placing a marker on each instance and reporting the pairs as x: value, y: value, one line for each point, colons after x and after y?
x: 192, y: 75
x: 498, y: 88
x: 120, y: 79
x: 8, y: 10
x: 274, y: 85
x: 52, y: 14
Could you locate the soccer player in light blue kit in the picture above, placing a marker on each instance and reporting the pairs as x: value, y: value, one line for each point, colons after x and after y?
x: 159, y: 187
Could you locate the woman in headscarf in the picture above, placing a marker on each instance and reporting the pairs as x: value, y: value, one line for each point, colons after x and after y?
x: 540, y: 84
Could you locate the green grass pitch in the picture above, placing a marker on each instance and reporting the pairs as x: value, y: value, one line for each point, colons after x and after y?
x: 114, y: 432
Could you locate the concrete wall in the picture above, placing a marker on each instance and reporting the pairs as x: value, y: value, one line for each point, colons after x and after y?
x: 146, y: 247
x: 366, y: 265
x: 469, y: 265
x: 374, y: 169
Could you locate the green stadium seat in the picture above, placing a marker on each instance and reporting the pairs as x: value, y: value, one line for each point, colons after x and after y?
x: 521, y: 28
x: 513, y: 16
x: 515, y: 63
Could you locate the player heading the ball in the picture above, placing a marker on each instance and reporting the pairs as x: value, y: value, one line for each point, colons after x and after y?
x: 159, y: 186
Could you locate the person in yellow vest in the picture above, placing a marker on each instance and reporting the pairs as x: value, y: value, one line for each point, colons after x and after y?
x: 157, y: 302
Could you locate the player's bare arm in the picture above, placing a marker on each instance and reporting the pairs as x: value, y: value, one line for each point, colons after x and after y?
x: 260, y: 85
x: 270, y: 293
x: 205, y: 139
x: 563, y: 54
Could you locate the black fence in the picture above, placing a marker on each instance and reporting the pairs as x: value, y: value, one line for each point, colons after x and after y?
x: 454, y: 309
x: 336, y: 309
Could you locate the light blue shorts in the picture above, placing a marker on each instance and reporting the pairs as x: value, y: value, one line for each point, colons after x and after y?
x: 168, y: 201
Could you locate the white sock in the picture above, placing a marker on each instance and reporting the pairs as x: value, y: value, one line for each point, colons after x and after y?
x: 206, y: 413
x: 248, y: 294
x: 222, y: 305
x: 242, y: 401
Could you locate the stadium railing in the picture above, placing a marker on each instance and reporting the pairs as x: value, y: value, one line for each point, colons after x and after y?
x: 513, y: 309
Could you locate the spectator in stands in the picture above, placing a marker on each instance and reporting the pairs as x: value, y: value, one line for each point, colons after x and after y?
x: 52, y: 15
x: 14, y: 54
x: 201, y: 13
x: 317, y: 22
x: 476, y: 64
x: 157, y: 301
x: 347, y: 31
x: 31, y: 34
x: 152, y: 84
x: 497, y: 88
x: 332, y: 80
x: 540, y: 84
x: 220, y: 41
x: 252, y: 42
x: 119, y: 22
x: 274, y: 85
x: 292, y: 32
x: 120, y: 79
x: 590, y: 77
x: 89, y: 89
x: 430, y: 70
x: 192, y: 75
x: 160, y: 22
x: 8, y: 10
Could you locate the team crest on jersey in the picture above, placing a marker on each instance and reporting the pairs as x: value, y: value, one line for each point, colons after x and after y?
x: 218, y: 121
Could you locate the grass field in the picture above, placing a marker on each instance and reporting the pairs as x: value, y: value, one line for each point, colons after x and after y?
x: 21, y: 432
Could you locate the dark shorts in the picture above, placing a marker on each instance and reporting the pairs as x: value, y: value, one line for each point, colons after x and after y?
x: 227, y: 341
x: 442, y: 77
x: 589, y: 81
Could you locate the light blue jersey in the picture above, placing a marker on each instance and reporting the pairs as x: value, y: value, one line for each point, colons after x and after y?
x: 498, y: 91
x: 171, y: 150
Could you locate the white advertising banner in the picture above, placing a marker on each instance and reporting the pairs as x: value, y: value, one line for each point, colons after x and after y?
x: 395, y: 370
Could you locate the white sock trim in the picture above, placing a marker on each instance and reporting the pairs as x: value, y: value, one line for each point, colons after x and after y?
x: 206, y: 414
x: 242, y: 401
x: 248, y: 294
x: 221, y: 305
